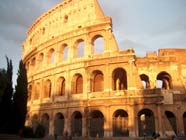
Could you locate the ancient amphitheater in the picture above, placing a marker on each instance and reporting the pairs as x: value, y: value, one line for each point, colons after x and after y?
x: 81, y: 83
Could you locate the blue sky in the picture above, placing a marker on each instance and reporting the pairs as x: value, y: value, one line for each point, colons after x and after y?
x: 144, y: 25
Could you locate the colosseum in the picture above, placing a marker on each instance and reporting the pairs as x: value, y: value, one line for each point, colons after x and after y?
x: 81, y: 84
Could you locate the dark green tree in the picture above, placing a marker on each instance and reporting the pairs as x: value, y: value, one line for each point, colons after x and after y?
x: 6, y: 99
x: 2, y: 82
x: 20, y: 97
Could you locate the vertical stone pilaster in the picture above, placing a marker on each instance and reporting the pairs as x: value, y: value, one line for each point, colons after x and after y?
x: 132, y: 121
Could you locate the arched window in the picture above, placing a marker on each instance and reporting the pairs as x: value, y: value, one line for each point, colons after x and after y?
x: 45, y: 122
x: 33, y: 63
x: 120, y: 123
x: 77, y: 84
x: 80, y: 48
x: 29, y: 92
x: 146, y: 122
x: 51, y: 56
x: 59, y: 124
x: 37, y: 91
x: 64, y: 52
x: 61, y: 86
x: 96, y: 124
x: 145, y: 81
x: 47, y: 89
x: 98, y: 81
x: 76, y: 125
x: 98, y: 44
x: 119, y: 77
x: 164, y: 81
x: 40, y: 59
x: 170, y: 122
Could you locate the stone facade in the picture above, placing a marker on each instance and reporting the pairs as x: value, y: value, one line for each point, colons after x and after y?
x: 80, y: 83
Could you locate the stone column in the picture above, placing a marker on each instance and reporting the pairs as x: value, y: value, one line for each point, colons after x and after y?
x: 132, y: 121
x: 107, y: 122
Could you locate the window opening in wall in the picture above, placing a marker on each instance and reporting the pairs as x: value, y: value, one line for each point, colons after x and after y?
x: 37, y: 91
x: 29, y: 92
x: 120, y: 123
x: 96, y: 124
x: 146, y: 122
x: 80, y: 47
x: 48, y: 87
x: 98, y: 81
x: 172, y: 122
x: 165, y: 79
x: 52, y: 57
x: 65, y: 53
x: 59, y: 123
x: 76, y: 127
x: 45, y: 122
x: 119, y: 79
x: 98, y: 44
x: 145, y: 81
x: 79, y: 84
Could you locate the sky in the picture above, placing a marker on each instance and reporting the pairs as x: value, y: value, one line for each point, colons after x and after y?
x: 144, y: 25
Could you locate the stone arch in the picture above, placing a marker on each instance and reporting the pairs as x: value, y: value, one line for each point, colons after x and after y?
x: 165, y: 80
x: 170, y: 122
x: 59, y: 123
x: 145, y: 81
x: 120, y: 123
x: 33, y: 63
x: 77, y: 84
x: 119, y: 78
x: 45, y: 122
x: 184, y: 122
x: 40, y: 60
x: 29, y: 92
x: 64, y: 52
x: 51, y: 56
x: 47, y: 88
x: 76, y: 124
x: 97, y: 82
x: 96, y: 128
x: 61, y: 82
x: 34, y: 121
x: 79, y: 48
x: 98, y: 44
x: 146, y: 122
x: 37, y: 91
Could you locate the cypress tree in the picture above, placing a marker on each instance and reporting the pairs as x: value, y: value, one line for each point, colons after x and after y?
x: 20, y: 97
x: 6, y: 100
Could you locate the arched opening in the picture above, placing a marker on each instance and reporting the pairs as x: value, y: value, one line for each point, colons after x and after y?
x: 76, y: 124
x: 145, y: 81
x: 64, y: 52
x: 40, y: 60
x: 47, y: 89
x: 59, y: 123
x: 33, y: 63
x: 120, y: 123
x: 184, y: 122
x: 51, y: 56
x: 29, y: 92
x: 61, y: 86
x: 98, y: 43
x: 34, y: 121
x: 45, y: 122
x: 146, y: 123
x: 98, y: 81
x: 119, y: 77
x: 165, y: 80
x: 37, y: 91
x: 171, y: 123
x: 96, y: 128
x: 77, y: 84
x: 80, y: 48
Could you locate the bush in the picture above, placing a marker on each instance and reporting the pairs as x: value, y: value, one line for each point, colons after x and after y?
x: 40, y: 131
x: 28, y: 132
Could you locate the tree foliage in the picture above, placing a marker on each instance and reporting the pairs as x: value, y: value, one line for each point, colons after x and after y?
x: 20, y: 97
